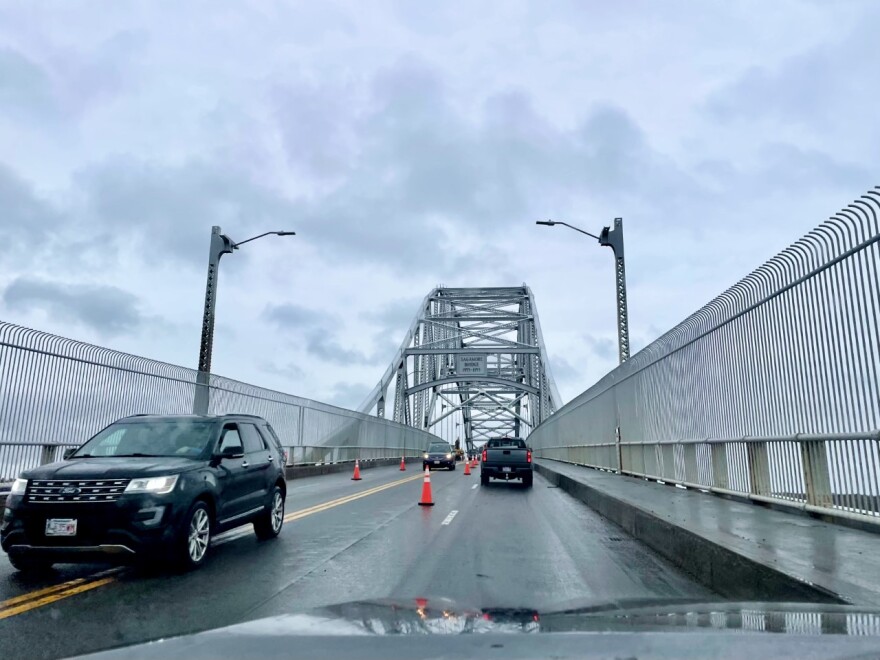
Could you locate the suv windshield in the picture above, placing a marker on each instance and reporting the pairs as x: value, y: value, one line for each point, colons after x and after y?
x: 187, y: 438
x: 439, y: 449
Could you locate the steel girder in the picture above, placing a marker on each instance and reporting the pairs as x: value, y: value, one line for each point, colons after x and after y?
x: 474, y: 357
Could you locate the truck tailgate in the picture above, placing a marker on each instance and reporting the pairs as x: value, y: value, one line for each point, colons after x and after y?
x: 511, y: 457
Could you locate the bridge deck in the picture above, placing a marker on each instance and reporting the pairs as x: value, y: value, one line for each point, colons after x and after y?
x: 722, y: 541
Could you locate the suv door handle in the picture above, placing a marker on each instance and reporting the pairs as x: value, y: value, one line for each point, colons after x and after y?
x: 270, y: 457
x: 245, y: 464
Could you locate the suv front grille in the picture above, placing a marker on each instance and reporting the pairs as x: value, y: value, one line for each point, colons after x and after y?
x: 42, y: 491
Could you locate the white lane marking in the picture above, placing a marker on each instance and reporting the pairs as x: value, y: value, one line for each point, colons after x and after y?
x: 474, y: 486
x: 449, y: 518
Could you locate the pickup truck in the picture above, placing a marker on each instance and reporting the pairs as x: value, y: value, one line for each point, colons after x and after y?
x: 506, y: 458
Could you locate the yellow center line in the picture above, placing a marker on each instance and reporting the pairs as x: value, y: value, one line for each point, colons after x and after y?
x: 8, y: 604
x: 48, y: 595
x: 51, y: 598
x: 302, y: 513
x: 318, y: 508
x: 40, y: 592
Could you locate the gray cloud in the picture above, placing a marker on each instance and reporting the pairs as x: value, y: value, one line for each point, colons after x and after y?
x: 347, y: 395
x: 289, y: 315
x: 172, y: 208
x: 563, y: 371
x: 26, y: 220
x: 25, y: 89
x: 602, y: 347
x: 107, y: 310
x: 422, y: 160
x: 322, y: 345
x: 288, y: 370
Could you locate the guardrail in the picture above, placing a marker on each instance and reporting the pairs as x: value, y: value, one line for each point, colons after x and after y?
x: 57, y: 392
x: 317, y: 455
x: 783, y: 367
x: 18, y: 456
x: 833, y: 473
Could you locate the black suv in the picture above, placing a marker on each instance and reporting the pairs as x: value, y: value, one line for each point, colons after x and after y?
x: 148, y: 487
x: 437, y: 455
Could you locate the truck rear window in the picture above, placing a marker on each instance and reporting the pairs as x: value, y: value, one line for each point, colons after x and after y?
x: 507, y: 443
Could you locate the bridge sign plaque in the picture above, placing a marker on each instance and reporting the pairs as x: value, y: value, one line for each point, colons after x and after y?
x: 470, y: 365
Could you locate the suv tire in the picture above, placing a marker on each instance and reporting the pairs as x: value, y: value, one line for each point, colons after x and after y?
x: 194, y: 539
x: 484, y: 479
x: 268, y: 523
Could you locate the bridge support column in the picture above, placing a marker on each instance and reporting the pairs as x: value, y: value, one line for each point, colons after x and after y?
x: 720, y: 478
x: 759, y: 468
x: 48, y: 454
x: 816, y: 477
x: 690, y: 463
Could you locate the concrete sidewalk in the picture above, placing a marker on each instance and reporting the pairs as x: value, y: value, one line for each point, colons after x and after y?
x: 740, y: 550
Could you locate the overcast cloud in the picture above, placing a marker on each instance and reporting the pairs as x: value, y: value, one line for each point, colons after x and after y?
x: 410, y: 145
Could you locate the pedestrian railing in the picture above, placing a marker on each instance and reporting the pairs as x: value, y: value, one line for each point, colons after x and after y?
x: 57, y: 393
x: 837, y: 473
x: 318, y: 455
x: 18, y: 456
x: 781, y: 373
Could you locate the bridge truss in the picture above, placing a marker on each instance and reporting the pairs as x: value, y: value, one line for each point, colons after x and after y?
x: 471, y: 367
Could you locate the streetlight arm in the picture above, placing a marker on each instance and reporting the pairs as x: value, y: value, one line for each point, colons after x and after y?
x: 551, y: 223
x: 268, y: 233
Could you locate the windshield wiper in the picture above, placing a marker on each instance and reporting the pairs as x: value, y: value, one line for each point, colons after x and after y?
x: 137, y: 455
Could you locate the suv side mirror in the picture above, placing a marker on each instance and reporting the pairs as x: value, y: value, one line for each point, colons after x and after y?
x: 232, y: 452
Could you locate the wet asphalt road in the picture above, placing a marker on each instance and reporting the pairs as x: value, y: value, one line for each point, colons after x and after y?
x: 504, y: 547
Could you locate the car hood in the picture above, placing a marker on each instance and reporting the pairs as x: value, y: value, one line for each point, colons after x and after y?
x: 661, y: 629
x: 111, y: 467
x: 423, y: 616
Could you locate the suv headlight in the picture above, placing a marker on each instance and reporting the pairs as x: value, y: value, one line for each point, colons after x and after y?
x: 425, y: 455
x: 18, y: 487
x: 448, y: 455
x: 158, y: 485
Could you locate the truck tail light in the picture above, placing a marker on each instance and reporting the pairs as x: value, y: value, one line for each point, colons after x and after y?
x: 529, y: 456
x: 484, y: 456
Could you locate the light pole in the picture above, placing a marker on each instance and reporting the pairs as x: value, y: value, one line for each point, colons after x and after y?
x: 220, y: 245
x: 613, y: 238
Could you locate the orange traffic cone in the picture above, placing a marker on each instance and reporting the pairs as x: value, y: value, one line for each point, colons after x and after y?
x: 357, y: 471
x: 467, y: 468
x: 427, y: 500
x: 402, y: 464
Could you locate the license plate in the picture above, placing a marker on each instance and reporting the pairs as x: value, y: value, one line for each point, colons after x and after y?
x: 505, y: 469
x: 61, y: 527
x: 436, y: 462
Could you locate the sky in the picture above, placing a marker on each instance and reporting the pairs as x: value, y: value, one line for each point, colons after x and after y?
x: 411, y: 144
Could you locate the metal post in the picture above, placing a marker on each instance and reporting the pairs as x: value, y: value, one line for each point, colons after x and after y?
x: 613, y: 238
x: 220, y: 245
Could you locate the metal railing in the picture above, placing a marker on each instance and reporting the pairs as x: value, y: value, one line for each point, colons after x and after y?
x: 782, y: 369
x: 57, y: 392
x: 312, y: 455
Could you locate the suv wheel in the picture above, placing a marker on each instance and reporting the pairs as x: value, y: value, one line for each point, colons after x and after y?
x: 29, y: 564
x: 484, y: 479
x: 268, y: 524
x: 195, y: 537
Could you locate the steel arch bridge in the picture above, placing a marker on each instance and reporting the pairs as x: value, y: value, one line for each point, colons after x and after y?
x: 472, y: 366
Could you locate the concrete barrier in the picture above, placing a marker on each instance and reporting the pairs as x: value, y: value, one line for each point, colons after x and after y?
x: 713, y: 564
